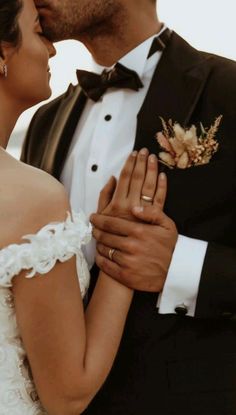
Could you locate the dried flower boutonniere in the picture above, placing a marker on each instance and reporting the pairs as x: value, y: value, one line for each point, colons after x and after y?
x: 182, y: 148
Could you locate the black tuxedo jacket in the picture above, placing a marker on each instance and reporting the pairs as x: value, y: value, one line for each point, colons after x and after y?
x: 170, y: 364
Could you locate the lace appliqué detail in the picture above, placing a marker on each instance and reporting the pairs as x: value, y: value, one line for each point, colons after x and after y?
x: 54, y: 242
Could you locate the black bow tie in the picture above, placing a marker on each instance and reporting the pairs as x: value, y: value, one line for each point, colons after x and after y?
x: 94, y: 85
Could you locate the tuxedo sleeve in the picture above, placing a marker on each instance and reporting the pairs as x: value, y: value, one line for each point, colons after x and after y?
x: 217, y: 288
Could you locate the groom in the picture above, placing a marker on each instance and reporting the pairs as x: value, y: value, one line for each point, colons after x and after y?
x: 178, y: 353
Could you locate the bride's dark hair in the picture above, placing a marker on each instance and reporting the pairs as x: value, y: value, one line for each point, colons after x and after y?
x: 9, y: 29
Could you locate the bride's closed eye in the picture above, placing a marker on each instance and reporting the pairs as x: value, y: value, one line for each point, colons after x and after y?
x: 41, y: 34
x: 38, y: 27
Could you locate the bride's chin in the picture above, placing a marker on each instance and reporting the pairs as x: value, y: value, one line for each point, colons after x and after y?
x: 39, y: 99
x: 48, y: 93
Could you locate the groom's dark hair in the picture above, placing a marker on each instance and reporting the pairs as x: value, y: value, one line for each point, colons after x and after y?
x: 9, y: 29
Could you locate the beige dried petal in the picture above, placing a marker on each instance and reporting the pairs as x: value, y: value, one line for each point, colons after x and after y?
x: 183, y: 161
x: 190, y: 138
x: 167, y: 158
x: 164, y: 143
x: 179, y: 132
x: 206, y: 159
x: 177, y: 146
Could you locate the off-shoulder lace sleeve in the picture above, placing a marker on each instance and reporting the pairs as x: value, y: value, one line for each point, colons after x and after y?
x: 54, y: 242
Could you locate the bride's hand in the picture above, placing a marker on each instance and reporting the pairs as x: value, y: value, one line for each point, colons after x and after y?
x: 138, y: 253
x: 138, y: 179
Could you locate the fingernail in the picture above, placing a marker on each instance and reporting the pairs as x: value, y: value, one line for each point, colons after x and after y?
x: 134, y: 153
x: 162, y: 176
x: 144, y: 151
x: 152, y: 158
x: 138, y: 209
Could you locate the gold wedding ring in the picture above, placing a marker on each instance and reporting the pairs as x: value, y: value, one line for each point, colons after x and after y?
x: 111, y: 253
x: 147, y: 198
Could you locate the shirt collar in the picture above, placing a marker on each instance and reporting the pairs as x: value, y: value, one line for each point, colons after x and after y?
x: 136, y: 59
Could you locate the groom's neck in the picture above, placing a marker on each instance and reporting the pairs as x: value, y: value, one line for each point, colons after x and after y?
x: 111, y: 44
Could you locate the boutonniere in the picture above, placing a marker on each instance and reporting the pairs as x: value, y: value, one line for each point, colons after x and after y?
x: 183, y: 148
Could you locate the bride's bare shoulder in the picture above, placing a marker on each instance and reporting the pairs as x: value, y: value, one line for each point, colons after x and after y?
x: 30, y: 199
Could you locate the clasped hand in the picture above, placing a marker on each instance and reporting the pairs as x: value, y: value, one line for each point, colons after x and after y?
x: 141, y: 236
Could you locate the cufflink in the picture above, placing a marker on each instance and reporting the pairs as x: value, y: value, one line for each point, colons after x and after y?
x: 181, y: 309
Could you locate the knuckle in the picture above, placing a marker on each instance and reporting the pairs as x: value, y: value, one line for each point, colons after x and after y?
x: 92, y: 217
x: 138, y: 231
x: 115, y: 204
x: 159, y: 199
x: 130, y: 246
x: 125, y: 245
x: 132, y: 262
x: 130, y: 265
x: 101, y: 236
x: 136, y: 175
x: 101, y: 248
x: 96, y: 234
x: 124, y: 260
x: 106, y: 224
x: 149, y: 186
x: 125, y: 173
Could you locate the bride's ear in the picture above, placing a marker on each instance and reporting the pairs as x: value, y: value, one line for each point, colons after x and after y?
x: 6, y: 52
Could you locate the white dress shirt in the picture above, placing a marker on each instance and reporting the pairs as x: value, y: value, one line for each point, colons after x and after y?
x: 103, y: 139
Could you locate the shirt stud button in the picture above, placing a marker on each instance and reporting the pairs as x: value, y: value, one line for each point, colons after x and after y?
x: 94, y: 167
x: 108, y: 117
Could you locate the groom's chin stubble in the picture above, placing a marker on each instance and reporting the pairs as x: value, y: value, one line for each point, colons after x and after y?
x: 91, y: 21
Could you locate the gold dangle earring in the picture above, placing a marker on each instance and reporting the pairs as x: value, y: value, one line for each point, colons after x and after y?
x: 5, y: 70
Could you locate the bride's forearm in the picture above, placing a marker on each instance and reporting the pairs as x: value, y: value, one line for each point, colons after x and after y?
x: 105, y: 321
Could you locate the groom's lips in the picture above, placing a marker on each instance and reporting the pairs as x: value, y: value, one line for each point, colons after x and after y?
x: 43, y: 10
x: 42, y: 6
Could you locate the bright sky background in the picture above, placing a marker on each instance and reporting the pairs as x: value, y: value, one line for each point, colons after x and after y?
x: 207, y: 24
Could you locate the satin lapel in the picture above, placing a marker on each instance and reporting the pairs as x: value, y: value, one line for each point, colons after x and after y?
x: 62, y: 130
x: 174, y: 91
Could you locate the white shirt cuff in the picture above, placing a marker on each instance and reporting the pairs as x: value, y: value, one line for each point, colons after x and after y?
x: 183, y: 278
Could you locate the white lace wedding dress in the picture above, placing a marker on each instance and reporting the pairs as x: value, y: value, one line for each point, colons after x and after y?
x: 54, y: 242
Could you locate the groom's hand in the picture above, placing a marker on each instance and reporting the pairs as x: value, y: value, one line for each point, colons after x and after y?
x: 143, y: 251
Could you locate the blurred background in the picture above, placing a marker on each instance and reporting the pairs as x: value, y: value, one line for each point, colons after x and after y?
x: 208, y: 25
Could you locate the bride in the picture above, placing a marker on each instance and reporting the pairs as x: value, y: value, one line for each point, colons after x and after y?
x: 43, y: 274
